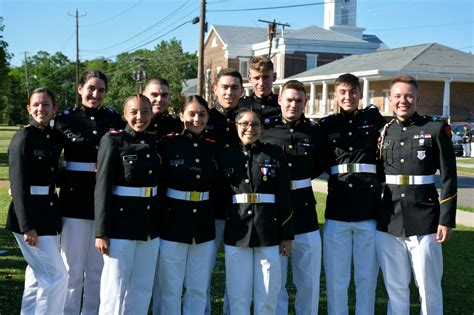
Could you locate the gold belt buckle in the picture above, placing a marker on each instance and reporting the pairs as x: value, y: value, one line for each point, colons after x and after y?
x: 194, y: 196
x: 251, y: 198
x: 404, y: 179
x: 350, y: 168
x: 147, y: 191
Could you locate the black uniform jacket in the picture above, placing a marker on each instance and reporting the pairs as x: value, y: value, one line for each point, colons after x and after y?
x: 221, y: 129
x: 267, y: 104
x: 418, y: 146
x: 352, y: 138
x: 257, y: 168
x: 305, y: 148
x: 82, y: 129
x: 164, y: 124
x: 33, y: 157
x: 189, y: 165
x: 127, y: 159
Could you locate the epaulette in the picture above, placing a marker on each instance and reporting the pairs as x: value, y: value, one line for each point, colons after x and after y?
x: 434, y: 118
x: 26, y: 126
x: 371, y: 106
x: 313, y: 123
x: 115, y: 132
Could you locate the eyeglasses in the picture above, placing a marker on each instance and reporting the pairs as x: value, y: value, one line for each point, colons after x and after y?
x: 246, y: 125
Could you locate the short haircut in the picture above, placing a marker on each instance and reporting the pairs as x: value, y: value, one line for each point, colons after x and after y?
x: 348, y: 79
x: 158, y: 80
x: 88, y: 74
x: 142, y: 98
x: 248, y: 109
x: 293, y: 85
x: 404, y: 78
x: 195, y: 98
x: 230, y: 72
x: 261, y: 64
x: 46, y: 91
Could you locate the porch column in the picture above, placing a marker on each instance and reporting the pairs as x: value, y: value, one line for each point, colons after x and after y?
x: 365, y: 96
x: 446, y: 100
x: 312, y: 94
x: 324, y: 101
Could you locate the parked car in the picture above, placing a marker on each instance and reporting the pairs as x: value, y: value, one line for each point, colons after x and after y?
x: 457, y: 143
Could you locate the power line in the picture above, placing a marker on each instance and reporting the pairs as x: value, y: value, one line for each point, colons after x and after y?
x: 268, y: 8
x: 115, y: 16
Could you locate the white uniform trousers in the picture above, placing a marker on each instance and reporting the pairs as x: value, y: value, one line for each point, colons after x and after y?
x: 186, y: 264
x: 219, y: 224
x: 466, y: 148
x: 472, y: 149
x: 127, y: 280
x: 84, y: 265
x: 343, y: 241
x: 256, y: 270
x: 306, y: 270
x: 398, y: 256
x: 45, y: 276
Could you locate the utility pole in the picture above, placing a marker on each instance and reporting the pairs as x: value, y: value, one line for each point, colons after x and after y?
x: 27, y: 81
x: 271, y: 32
x: 202, y: 31
x: 77, y: 53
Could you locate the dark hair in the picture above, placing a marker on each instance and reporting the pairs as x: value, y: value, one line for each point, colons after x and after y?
x: 348, y: 79
x: 88, y: 74
x: 404, y: 78
x: 230, y: 72
x: 46, y: 91
x: 158, y: 80
x: 293, y: 85
x: 261, y: 64
x: 142, y: 98
x: 248, y: 109
x: 194, y: 98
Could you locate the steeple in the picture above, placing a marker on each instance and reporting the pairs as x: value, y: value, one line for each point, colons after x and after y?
x: 340, y: 16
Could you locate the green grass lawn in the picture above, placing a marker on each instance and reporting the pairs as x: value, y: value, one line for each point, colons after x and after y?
x: 6, y: 133
x: 458, y: 280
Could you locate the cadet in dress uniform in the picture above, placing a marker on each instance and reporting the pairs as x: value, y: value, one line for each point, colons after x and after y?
x: 82, y: 129
x: 259, y: 222
x: 305, y: 147
x: 187, y: 233
x: 413, y: 224
x: 163, y: 123
x: 127, y: 212
x: 33, y: 215
x: 262, y: 76
x: 221, y: 128
x: 354, y: 193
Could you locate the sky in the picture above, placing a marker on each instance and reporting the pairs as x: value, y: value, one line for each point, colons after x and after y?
x: 110, y: 27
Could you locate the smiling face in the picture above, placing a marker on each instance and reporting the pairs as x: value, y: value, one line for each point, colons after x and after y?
x: 159, y: 96
x: 41, y: 108
x: 348, y: 97
x: 403, y: 100
x: 228, y: 91
x: 92, y: 92
x: 249, y: 127
x: 194, y: 117
x: 138, y: 114
x: 292, y: 103
x: 262, y: 82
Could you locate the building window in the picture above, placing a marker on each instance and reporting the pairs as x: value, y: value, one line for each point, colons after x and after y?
x: 244, y: 67
x: 386, y: 103
x: 214, y: 42
x: 371, y: 98
x: 218, y: 69
x: 320, y: 103
x: 311, y: 61
x: 344, y: 16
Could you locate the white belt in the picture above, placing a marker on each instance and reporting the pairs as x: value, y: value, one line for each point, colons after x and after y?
x: 353, y: 168
x: 302, y: 183
x: 81, y: 166
x: 135, y: 191
x: 409, y: 179
x: 253, y: 198
x: 187, y: 195
x: 39, y: 190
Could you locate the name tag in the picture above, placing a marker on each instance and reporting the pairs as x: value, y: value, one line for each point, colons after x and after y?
x: 334, y: 136
x: 128, y: 158
x: 177, y: 162
x: 39, y: 152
